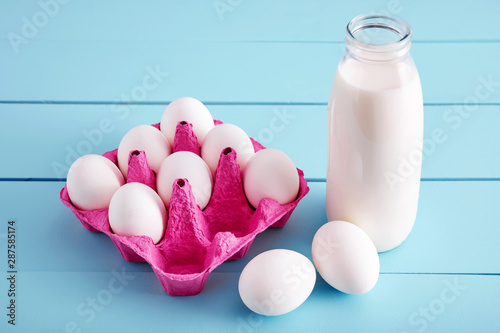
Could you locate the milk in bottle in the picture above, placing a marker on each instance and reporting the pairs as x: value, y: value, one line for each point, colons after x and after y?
x: 375, y: 129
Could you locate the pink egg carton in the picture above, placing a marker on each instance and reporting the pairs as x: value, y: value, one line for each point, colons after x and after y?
x: 196, y: 241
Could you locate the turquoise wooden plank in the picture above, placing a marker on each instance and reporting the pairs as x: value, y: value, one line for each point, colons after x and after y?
x: 52, y: 301
x: 128, y: 71
x: 461, y: 142
x: 458, y: 143
x: 256, y: 20
x: 456, y: 222
x: 455, y: 232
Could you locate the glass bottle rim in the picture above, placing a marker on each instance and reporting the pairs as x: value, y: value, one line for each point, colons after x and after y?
x: 392, y: 23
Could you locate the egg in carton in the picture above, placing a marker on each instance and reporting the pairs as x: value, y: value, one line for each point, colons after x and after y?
x: 195, y: 241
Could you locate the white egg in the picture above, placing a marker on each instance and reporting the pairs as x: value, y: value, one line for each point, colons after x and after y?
x: 185, y: 164
x: 223, y: 136
x: 92, y: 180
x: 276, y: 282
x: 270, y: 173
x: 186, y: 109
x: 346, y: 257
x: 145, y: 138
x: 137, y: 210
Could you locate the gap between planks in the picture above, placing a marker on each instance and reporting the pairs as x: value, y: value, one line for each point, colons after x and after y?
x: 207, y: 103
x: 309, y: 180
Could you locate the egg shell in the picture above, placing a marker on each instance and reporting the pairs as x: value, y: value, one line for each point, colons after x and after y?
x: 135, y: 210
x: 346, y: 257
x: 190, y: 110
x: 144, y: 138
x: 185, y: 164
x: 92, y: 180
x: 195, y: 241
x: 276, y: 282
x: 221, y: 137
x: 270, y: 173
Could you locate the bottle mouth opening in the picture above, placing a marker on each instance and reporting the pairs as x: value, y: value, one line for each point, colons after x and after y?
x: 378, y: 33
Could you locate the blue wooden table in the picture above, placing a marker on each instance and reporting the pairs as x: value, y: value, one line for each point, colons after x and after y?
x: 75, y: 76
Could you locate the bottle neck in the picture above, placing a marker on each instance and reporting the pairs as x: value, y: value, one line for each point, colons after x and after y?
x: 378, y: 38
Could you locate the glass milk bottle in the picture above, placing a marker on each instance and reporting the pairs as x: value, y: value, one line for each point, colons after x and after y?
x: 375, y: 132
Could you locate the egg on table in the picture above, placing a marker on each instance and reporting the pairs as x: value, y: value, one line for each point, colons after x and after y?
x: 186, y: 109
x: 148, y: 139
x: 276, y: 282
x: 137, y: 210
x: 223, y: 136
x: 346, y: 257
x: 91, y: 182
x: 270, y: 173
x: 185, y: 164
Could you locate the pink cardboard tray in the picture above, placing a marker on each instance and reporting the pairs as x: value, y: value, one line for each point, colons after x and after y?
x: 195, y: 241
